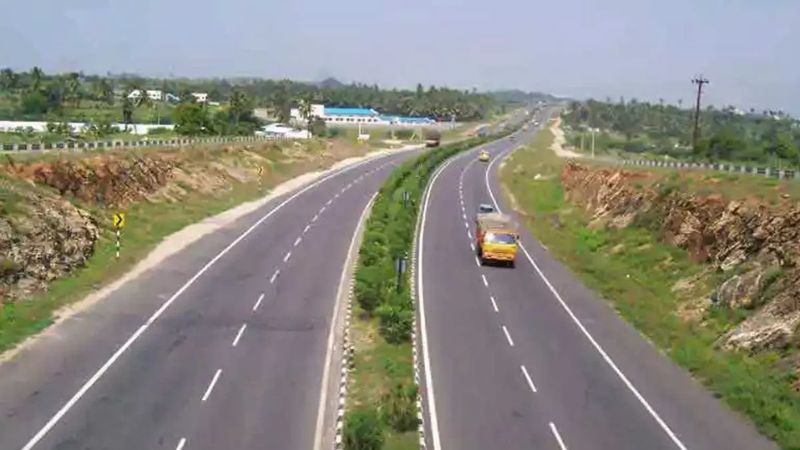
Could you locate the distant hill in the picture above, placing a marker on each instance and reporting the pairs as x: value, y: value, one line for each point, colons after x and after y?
x: 519, y: 96
x: 330, y: 83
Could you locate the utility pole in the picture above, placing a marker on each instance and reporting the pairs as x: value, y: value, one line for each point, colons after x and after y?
x: 699, y: 81
x: 593, y: 130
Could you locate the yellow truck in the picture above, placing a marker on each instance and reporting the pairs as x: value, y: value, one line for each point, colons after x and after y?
x: 496, y: 237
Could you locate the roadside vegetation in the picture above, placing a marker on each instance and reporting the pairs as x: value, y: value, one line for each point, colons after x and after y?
x: 645, y: 280
x: 381, y: 403
x: 633, y: 128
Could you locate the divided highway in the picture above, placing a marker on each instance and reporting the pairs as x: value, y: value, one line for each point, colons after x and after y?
x: 527, y: 358
x: 222, y: 346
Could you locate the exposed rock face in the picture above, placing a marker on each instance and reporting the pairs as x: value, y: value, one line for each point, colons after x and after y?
x: 44, y: 240
x: 761, y: 243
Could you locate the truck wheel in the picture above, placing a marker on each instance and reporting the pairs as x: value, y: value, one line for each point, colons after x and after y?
x: 511, y: 264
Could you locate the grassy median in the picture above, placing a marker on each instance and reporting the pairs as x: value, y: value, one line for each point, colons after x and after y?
x: 633, y: 270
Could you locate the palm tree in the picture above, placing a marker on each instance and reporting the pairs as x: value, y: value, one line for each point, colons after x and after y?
x: 73, y: 88
x: 36, y: 78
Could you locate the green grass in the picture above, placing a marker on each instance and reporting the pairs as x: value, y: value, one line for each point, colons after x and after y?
x: 637, y: 279
x: 147, y: 224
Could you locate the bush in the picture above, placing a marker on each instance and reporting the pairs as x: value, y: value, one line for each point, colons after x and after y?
x: 363, y: 430
x: 369, y: 288
x: 396, y: 322
x: 400, y: 407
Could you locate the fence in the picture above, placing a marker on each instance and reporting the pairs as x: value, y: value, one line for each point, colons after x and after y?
x: 782, y: 174
x: 79, y: 146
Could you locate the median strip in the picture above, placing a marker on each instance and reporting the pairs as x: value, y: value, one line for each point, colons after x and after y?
x: 383, y: 407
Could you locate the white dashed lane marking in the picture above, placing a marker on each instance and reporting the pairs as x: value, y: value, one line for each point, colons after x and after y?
x: 528, y: 378
x: 181, y: 444
x: 287, y: 256
x: 212, y: 384
x: 485, y: 281
x: 258, y: 302
x: 297, y: 241
x: 494, y: 304
x: 239, y: 335
x: 274, y: 276
x: 508, y: 336
x: 558, y: 436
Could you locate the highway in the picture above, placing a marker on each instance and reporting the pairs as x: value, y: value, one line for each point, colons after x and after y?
x: 222, y: 346
x: 528, y: 358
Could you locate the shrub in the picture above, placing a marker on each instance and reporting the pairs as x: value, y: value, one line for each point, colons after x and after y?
x: 396, y: 322
x: 399, y: 407
x: 369, y: 288
x: 363, y: 430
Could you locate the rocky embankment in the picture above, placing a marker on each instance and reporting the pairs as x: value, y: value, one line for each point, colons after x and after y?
x: 755, y: 246
x: 54, y: 209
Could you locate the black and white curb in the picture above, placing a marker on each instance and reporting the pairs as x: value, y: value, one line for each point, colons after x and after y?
x: 414, y: 347
x: 347, y: 364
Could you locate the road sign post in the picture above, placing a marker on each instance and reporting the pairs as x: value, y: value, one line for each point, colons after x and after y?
x: 119, y: 224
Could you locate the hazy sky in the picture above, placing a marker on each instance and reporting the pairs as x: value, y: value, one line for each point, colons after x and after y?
x: 635, y: 48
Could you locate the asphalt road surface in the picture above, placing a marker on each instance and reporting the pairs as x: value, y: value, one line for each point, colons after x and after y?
x: 528, y: 358
x: 222, y: 346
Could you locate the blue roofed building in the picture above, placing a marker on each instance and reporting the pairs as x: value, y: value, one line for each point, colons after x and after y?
x: 355, y: 116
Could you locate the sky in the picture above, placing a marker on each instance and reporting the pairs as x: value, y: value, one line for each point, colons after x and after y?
x: 644, y: 49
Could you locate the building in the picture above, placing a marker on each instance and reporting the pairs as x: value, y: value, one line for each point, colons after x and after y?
x: 355, y: 116
x: 200, y: 97
x: 155, y: 95
x: 279, y: 130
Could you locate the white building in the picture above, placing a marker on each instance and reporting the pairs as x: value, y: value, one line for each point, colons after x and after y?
x: 200, y: 97
x: 155, y: 95
x: 280, y: 130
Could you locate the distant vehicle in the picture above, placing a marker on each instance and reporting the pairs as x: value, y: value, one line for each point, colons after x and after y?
x: 483, y: 156
x: 485, y: 208
x: 496, y: 238
x: 432, y: 137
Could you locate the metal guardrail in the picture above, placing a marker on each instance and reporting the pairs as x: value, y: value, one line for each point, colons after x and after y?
x: 769, y: 172
x: 80, y: 146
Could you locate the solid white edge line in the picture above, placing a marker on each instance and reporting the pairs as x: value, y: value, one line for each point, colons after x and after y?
x: 258, y: 302
x: 558, y: 436
x: 485, y: 281
x: 287, y: 256
x: 298, y: 240
x: 239, y: 335
x: 528, y: 378
x: 211, y: 385
x: 323, y: 396
x: 508, y: 336
x: 181, y: 444
x: 583, y: 329
x: 274, y: 276
x: 124, y: 347
x: 434, y: 420
x: 494, y: 304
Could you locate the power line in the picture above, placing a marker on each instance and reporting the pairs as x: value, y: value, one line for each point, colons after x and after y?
x: 699, y: 81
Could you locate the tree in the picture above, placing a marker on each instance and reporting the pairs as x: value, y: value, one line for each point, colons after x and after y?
x: 33, y: 103
x: 36, y: 78
x: 240, y: 106
x: 282, y: 102
x: 103, y: 90
x: 8, y: 79
x: 72, y: 87
x: 192, y: 119
x: 127, y: 109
